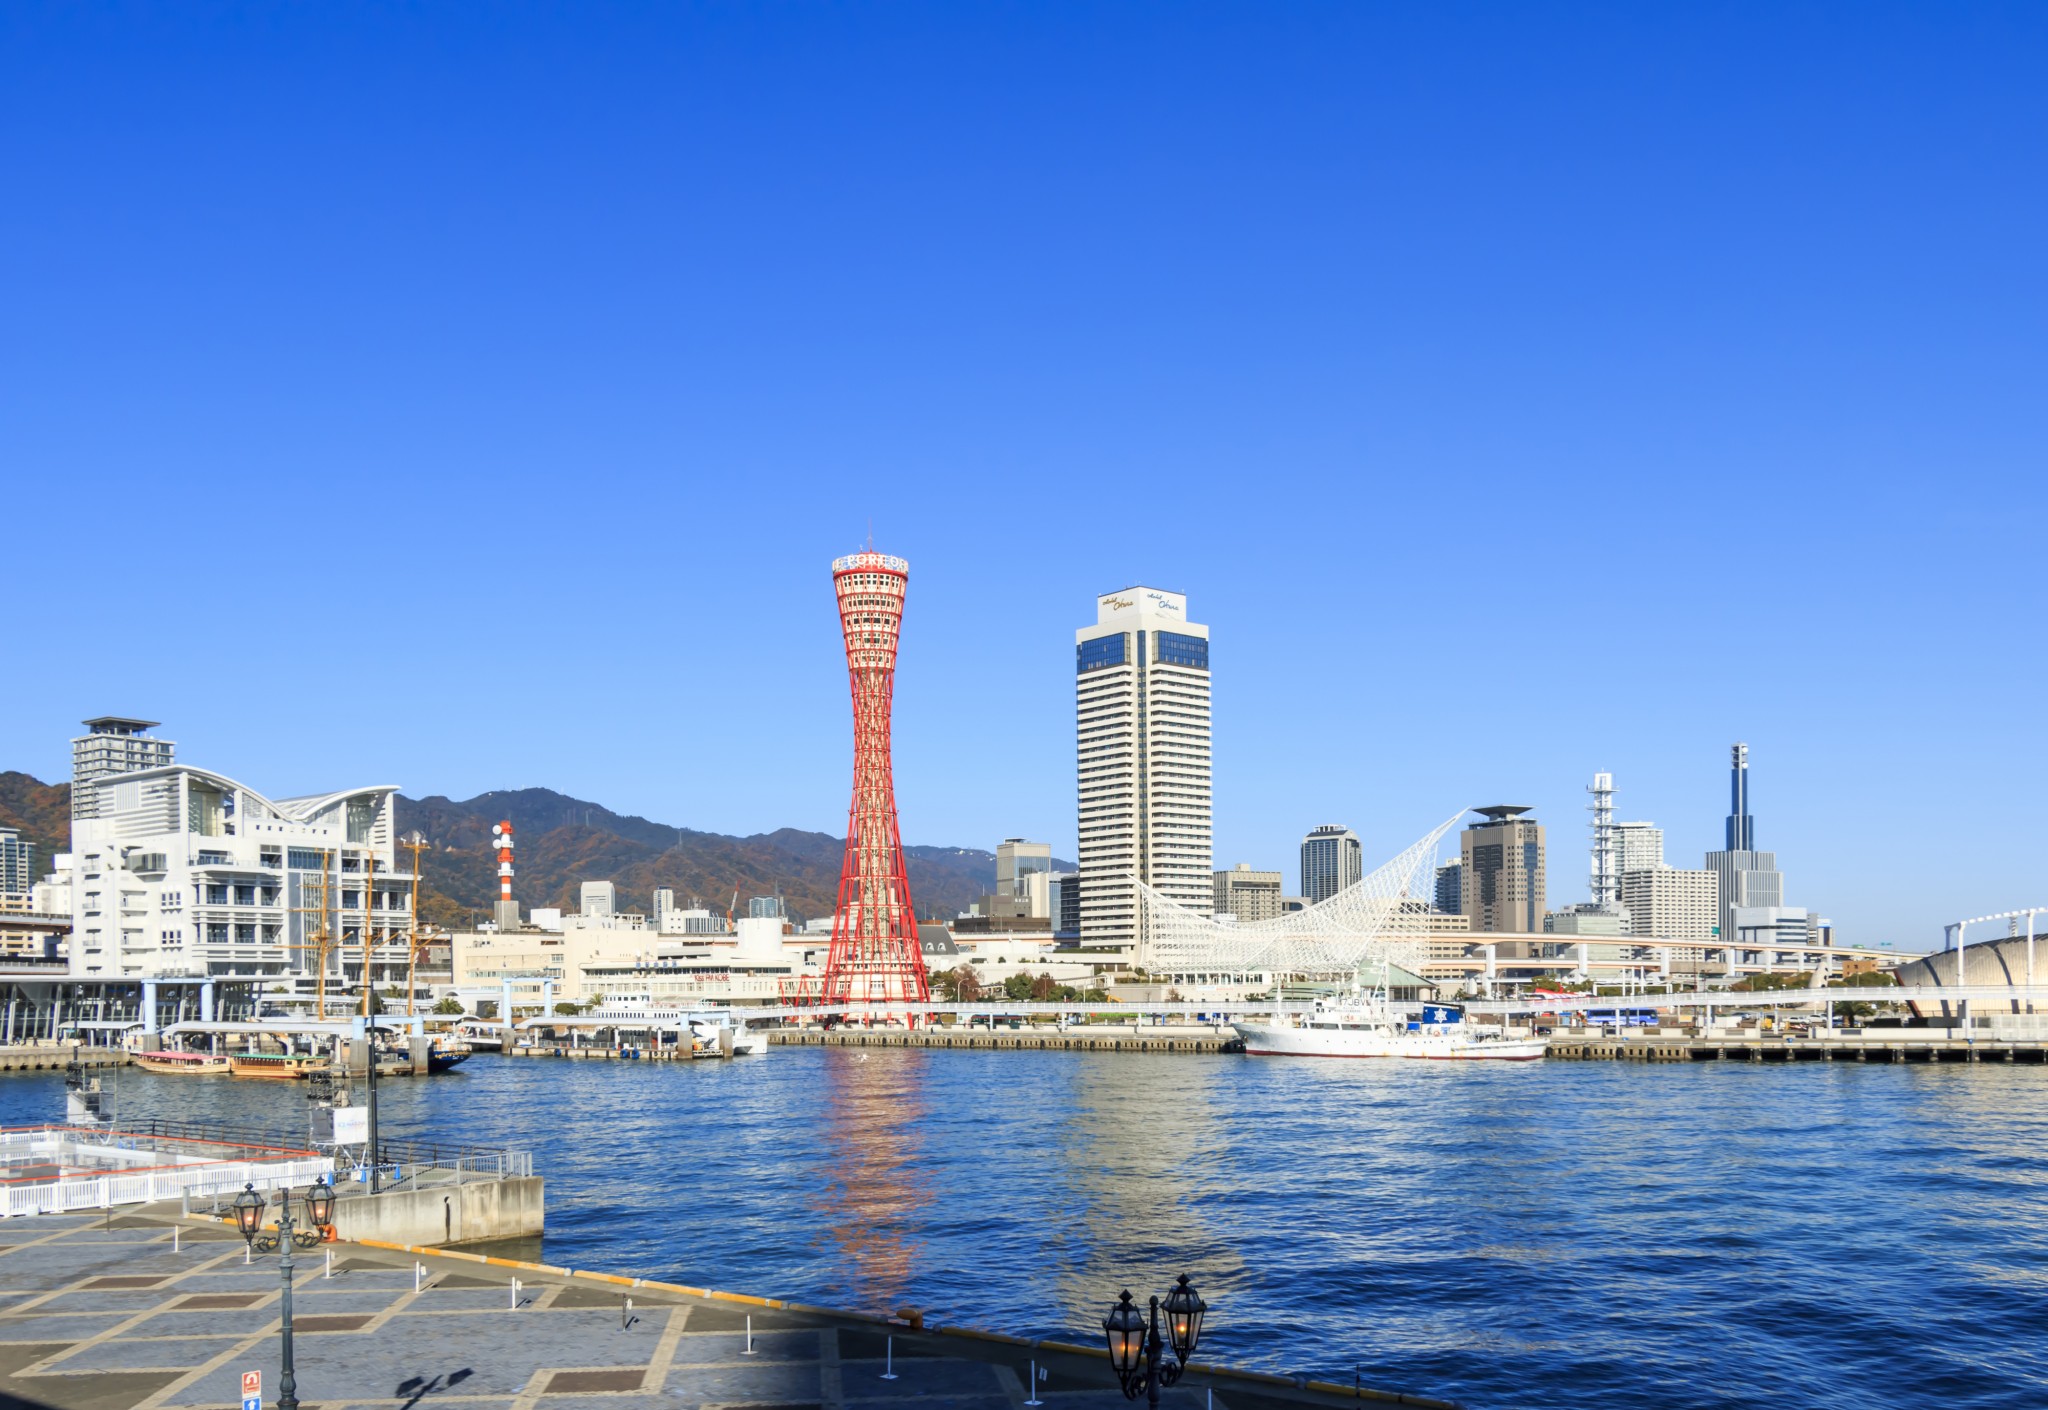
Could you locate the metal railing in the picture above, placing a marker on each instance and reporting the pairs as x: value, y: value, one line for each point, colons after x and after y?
x: 404, y: 1152
x: 38, y: 1181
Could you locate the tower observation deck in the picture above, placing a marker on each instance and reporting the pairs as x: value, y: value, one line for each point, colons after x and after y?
x: 875, y: 956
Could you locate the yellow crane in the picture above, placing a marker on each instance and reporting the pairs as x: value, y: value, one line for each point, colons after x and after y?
x: 415, y: 844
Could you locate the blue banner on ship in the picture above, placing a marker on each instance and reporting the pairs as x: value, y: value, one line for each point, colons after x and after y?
x: 1441, y: 1013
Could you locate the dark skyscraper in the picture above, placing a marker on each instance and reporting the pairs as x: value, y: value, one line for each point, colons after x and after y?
x: 1741, y: 827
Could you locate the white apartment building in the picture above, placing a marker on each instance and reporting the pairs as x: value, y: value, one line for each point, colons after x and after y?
x: 1141, y: 700
x: 1638, y: 846
x: 180, y: 872
x: 1671, y: 903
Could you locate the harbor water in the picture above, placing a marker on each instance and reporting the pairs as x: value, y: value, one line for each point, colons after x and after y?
x: 1506, y: 1235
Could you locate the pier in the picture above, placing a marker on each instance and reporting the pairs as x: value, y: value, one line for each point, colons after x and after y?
x: 167, y: 1312
x: 1946, y: 1044
x: 1090, y: 1038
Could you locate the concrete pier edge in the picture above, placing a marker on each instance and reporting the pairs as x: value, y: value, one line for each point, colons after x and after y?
x: 1202, y: 1368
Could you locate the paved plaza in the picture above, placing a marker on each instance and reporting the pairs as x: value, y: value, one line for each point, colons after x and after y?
x: 99, y: 1316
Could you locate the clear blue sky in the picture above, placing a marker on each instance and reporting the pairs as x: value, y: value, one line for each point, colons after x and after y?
x: 474, y: 397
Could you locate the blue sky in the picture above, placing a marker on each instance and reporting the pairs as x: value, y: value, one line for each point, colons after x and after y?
x: 475, y: 397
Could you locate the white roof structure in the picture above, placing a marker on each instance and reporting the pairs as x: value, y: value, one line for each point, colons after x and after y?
x: 1333, y: 939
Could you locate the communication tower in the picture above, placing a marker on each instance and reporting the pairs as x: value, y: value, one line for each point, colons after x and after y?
x: 875, y: 955
x: 1606, y: 876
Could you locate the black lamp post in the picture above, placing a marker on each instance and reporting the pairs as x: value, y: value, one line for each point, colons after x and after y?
x: 249, y: 1220
x: 1135, y: 1348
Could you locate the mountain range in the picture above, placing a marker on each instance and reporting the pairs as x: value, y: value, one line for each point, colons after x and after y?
x: 563, y: 842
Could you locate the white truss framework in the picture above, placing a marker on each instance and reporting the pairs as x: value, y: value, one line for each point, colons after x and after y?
x: 1333, y: 939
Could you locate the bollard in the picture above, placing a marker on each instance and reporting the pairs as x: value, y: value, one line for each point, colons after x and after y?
x: 515, y: 1295
x: 750, y: 1336
x: 889, y: 1363
x: 417, y: 1269
x: 330, y: 1264
x: 1034, y: 1400
x: 176, y: 1234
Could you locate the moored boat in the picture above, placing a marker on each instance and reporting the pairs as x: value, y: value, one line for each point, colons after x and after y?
x: 286, y: 1067
x: 171, y: 1060
x: 444, y: 1053
x: 1367, y: 1027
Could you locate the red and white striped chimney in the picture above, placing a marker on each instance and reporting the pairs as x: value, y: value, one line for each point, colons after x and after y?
x: 503, y: 832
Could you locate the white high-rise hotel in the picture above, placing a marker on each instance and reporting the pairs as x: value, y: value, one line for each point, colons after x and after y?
x: 1141, y: 702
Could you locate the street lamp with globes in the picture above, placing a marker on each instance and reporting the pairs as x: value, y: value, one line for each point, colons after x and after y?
x: 248, y: 1209
x: 1135, y: 1347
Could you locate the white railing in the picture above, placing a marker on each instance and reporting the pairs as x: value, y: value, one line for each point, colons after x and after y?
x: 105, y: 1191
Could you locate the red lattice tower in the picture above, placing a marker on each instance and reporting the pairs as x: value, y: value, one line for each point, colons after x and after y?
x: 875, y: 955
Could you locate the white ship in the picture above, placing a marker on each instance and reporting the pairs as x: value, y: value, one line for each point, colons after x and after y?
x: 1365, y: 1026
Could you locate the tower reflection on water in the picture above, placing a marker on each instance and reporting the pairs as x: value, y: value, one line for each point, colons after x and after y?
x: 1137, y: 1143
x: 872, y: 1205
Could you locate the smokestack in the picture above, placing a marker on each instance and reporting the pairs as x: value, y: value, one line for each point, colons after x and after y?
x: 507, y: 910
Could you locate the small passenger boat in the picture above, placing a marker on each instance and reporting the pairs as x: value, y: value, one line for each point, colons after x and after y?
x: 287, y: 1067
x: 171, y: 1060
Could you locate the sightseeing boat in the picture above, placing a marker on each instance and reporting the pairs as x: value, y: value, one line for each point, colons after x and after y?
x: 171, y: 1060
x: 284, y: 1067
x: 444, y: 1053
x: 1366, y: 1026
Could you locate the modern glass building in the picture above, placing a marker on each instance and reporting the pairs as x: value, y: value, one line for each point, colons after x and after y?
x: 1504, y: 870
x: 1331, y: 860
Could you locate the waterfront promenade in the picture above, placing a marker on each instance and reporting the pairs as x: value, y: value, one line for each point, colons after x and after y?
x: 157, y: 1312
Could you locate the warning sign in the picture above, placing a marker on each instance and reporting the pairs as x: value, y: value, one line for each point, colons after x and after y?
x: 252, y: 1383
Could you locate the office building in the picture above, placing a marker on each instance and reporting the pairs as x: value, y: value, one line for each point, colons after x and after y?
x: 1246, y: 894
x: 1141, y: 706
x: 1331, y: 860
x: 1024, y: 877
x: 1767, y: 927
x: 1450, y: 889
x: 1670, y: 903
x: 17, y: 864
x: 1590, y: 918
x: 1065, y: 891
x: 664, y: 904
x: 181, y: 872
x: 599, y: 898
x: 1504, y: 868
x: 1747, y: 878
x: 113, y: 745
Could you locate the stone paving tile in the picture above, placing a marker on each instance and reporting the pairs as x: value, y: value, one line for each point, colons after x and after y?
x: 731, y: 1346
x: 923, y: 1375
x: 773, y: 1384
x: 326, y: 1297
x: 176, y: 1323
x: 60, y: 1326
x: 500, y: 1358
x: 133, y: 1354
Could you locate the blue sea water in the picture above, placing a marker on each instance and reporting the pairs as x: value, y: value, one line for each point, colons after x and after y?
x: 1512, y: 1235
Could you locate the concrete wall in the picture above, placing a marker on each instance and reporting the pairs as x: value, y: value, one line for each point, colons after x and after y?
x: 445, y: 1214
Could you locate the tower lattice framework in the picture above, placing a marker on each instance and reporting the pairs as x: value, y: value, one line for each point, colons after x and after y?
x: 875, y: 954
